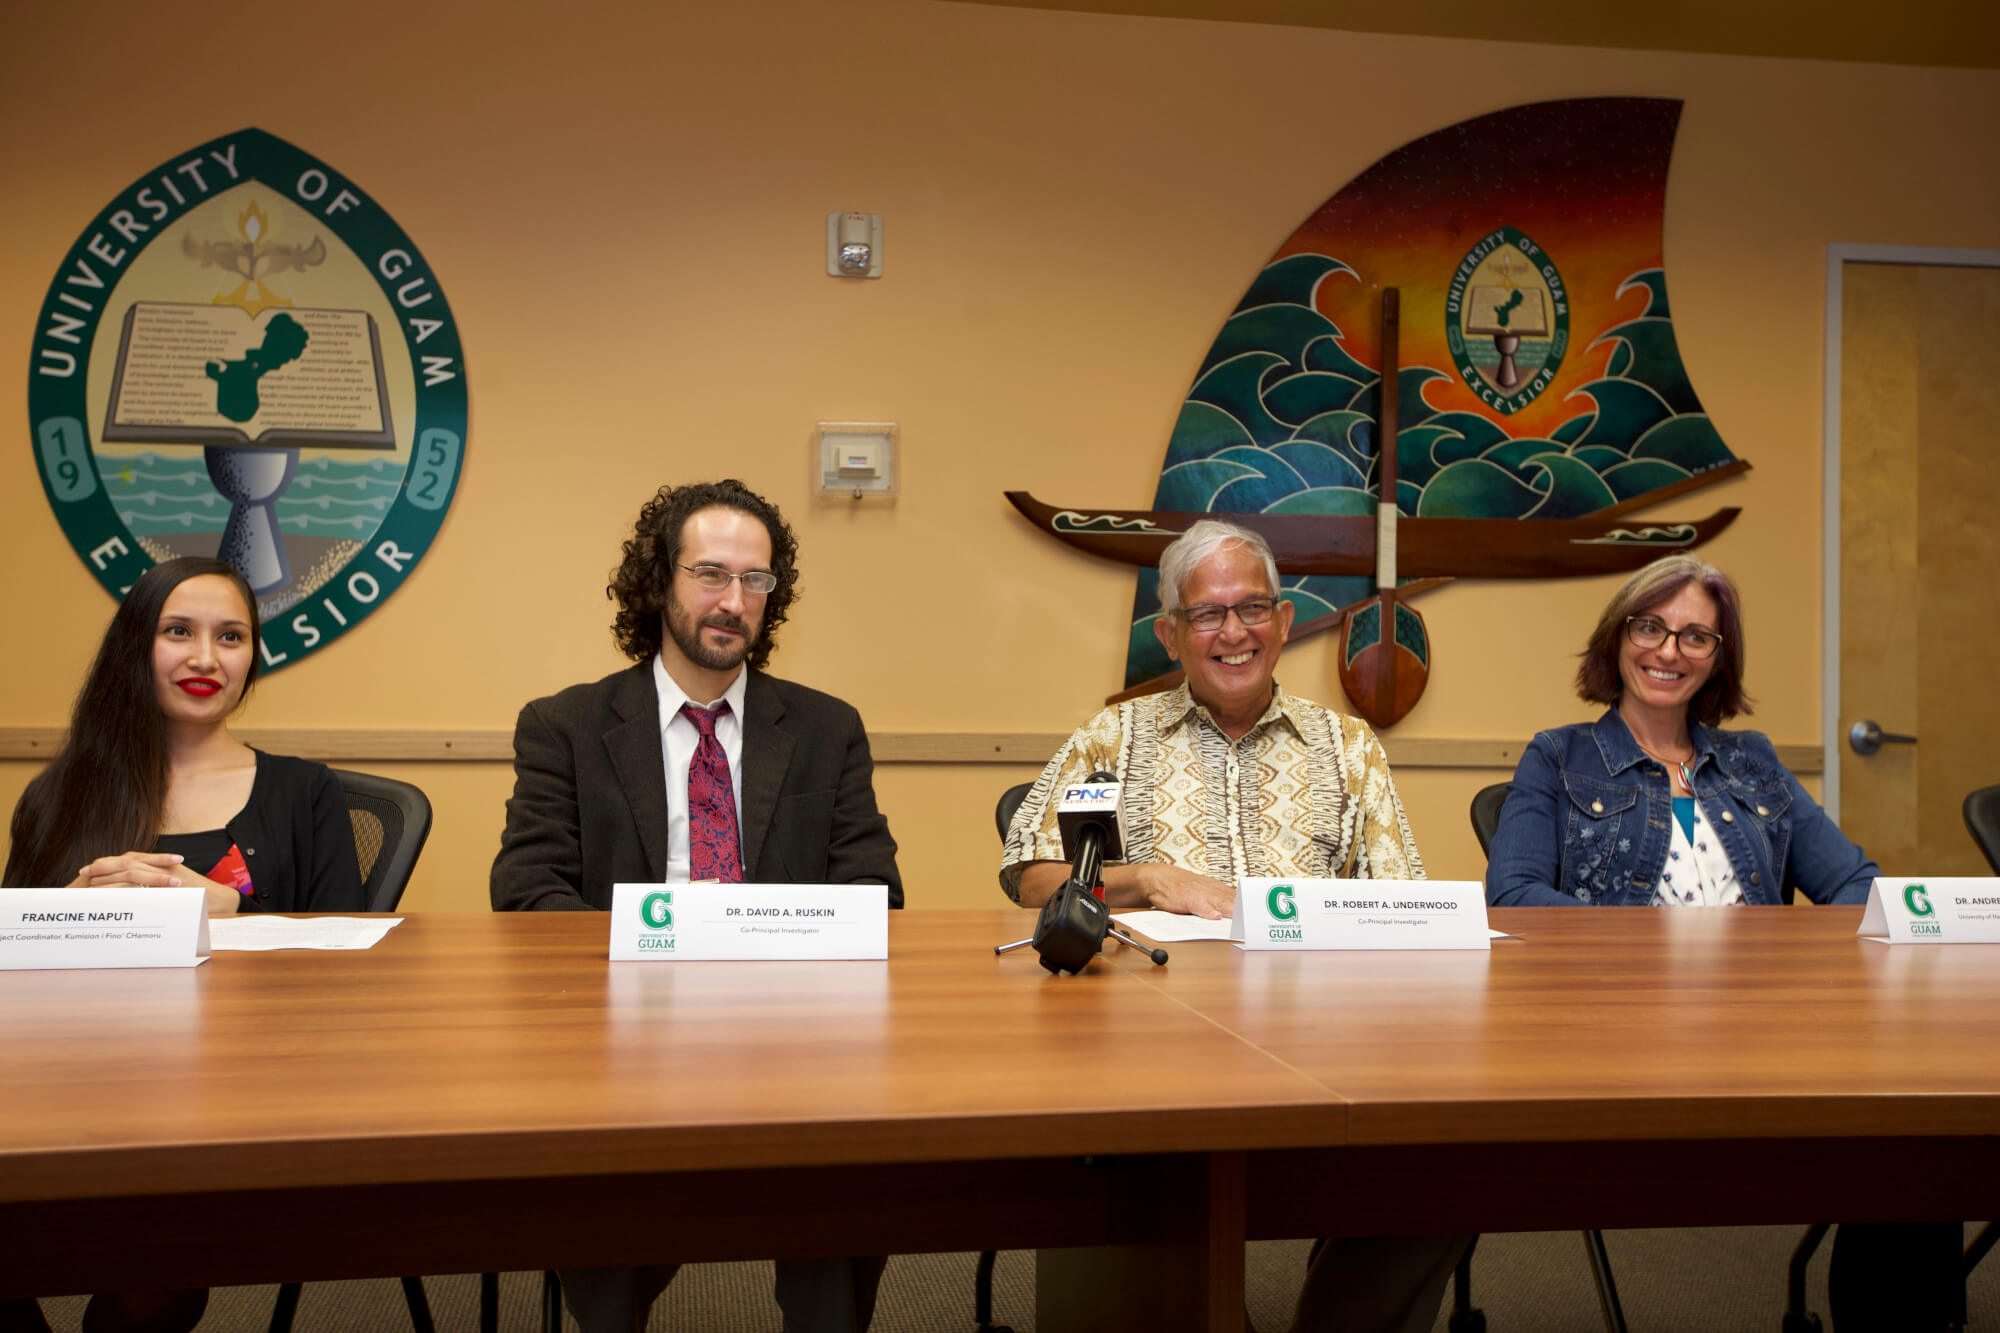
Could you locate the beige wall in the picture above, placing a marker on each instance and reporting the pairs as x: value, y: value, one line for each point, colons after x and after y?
x: 625, y: 204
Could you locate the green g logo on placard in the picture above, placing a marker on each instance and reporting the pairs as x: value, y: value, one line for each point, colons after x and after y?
x: 1281, y: 904
x: 657, y: 911
x: 1917, y: 900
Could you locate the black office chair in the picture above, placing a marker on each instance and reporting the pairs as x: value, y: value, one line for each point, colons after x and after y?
x: 1982, y: 820
x: 982, y: 1276
x: 1010, y: 804
x: 391, y: 822
x: 1486, y: 803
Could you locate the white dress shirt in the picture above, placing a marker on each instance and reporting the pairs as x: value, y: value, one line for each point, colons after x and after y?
x: 677, y: 741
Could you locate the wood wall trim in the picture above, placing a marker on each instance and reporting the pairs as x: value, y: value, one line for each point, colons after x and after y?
x: 964, y: 747
x: 331, y: 745
x: 336, y: 745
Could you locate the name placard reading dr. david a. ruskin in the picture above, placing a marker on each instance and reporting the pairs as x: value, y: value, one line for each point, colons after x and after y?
x: 1360, y: 914
x: 1933, y: 911
x: 748, y: 922
x: 55, y: 928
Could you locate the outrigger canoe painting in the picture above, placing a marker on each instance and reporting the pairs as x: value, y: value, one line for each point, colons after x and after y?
x: 1509, y: 270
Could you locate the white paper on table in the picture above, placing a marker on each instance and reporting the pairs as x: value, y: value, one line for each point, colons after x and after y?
x: 258, y: 931
x: 1172, y: 927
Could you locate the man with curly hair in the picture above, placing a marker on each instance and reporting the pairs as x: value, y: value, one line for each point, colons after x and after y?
x: 694, y: 764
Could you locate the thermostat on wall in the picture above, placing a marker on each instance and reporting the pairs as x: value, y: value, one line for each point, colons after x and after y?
x: 855, y: 460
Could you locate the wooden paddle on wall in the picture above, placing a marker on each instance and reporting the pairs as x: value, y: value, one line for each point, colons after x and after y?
x: 1385, y: 652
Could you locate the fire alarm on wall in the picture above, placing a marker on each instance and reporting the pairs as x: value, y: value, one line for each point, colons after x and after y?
x: 854, y: 245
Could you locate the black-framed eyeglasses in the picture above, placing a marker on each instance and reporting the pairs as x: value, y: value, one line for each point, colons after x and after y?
x: 1697, y: 642
x: 715, y: 578
x: 1206, y: 617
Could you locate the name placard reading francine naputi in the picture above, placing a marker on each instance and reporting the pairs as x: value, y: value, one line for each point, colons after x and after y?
x: 721, y: 922
x: 56, y: 928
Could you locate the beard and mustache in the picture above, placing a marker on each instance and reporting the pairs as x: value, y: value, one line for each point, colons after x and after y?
x: 686, y: 633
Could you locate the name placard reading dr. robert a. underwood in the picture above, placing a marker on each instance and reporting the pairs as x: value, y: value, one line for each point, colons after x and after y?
x: 721, y: 922
x: 56, y: 928
x: 1360, y: 914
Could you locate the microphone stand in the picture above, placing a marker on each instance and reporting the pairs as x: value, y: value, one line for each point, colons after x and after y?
x: 1118, y: 933
x: 1086, y: 877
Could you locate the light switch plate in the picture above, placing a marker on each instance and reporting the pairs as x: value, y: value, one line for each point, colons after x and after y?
x: 855, y: 460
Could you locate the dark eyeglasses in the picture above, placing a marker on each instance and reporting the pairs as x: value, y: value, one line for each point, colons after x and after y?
x: 1697, y: 642
x: 1254, y: 611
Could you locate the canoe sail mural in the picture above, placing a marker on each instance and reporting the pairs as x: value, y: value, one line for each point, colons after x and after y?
x: 1541, y: 396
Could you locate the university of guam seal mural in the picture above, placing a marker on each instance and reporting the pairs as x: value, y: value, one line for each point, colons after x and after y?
x: 1537, y: 404
x: 244, y: 356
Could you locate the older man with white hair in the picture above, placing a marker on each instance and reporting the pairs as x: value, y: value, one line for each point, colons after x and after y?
x: 1227, y: 776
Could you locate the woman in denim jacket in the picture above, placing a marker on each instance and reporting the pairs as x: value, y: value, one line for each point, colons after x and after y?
x: 1654, y: 803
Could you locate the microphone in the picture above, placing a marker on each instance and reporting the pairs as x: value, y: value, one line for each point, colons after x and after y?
x: 1071, y: 929
x: 1074, y: 921
x: 1091, y: 819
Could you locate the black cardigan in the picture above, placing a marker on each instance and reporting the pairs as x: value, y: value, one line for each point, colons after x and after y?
x: 296, y: 840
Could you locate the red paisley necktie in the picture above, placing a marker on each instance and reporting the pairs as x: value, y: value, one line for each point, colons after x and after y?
x: 714, y: 846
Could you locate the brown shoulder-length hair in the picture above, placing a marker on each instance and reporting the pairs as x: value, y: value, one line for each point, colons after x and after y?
x: 104, y: 792
x: 641, y: 583
x: 1722, y: 696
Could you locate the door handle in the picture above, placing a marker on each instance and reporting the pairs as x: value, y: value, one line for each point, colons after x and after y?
x: 1865, y: 737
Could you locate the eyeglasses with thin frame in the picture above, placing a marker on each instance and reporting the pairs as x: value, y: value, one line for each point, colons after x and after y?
x: 1208, y: 617
x: 715, y: 578
x: 1696, y: 642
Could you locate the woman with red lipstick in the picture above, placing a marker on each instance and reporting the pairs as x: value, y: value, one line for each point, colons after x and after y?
x: 151, y: 789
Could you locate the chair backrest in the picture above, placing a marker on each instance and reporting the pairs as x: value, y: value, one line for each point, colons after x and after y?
x: 391, y: 822
x: 1010, y: 801
x: 1486, y: 803
x: 1982, y: 817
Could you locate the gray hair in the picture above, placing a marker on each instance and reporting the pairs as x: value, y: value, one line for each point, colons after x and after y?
x: 1206, y: 537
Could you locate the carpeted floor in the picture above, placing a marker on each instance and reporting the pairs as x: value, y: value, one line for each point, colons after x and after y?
x: 1720, y: 1279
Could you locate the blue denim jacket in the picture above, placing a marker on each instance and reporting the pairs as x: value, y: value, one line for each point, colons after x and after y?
x: 1590, y: 818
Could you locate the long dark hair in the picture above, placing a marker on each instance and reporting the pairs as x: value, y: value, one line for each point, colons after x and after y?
x: 645, y: 578
x: 105, y: 790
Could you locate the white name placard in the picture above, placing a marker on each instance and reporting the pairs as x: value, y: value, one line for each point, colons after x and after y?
x: 50, y: 928
x: 716, y: 922
x: 1933, y: 911
x: 1360, y: 914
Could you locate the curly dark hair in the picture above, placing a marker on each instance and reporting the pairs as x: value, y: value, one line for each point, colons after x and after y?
x: 641, y: 583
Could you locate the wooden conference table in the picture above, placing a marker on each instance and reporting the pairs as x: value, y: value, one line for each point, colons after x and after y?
x: 487, y: 1092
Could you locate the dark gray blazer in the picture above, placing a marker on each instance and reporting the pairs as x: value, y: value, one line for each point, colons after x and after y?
x: 589, y: 808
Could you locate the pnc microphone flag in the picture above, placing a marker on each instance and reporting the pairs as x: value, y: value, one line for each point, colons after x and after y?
x: 1092, y: 805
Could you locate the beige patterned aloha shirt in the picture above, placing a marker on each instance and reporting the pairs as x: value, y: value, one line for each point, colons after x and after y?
x: 1305, y: 792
